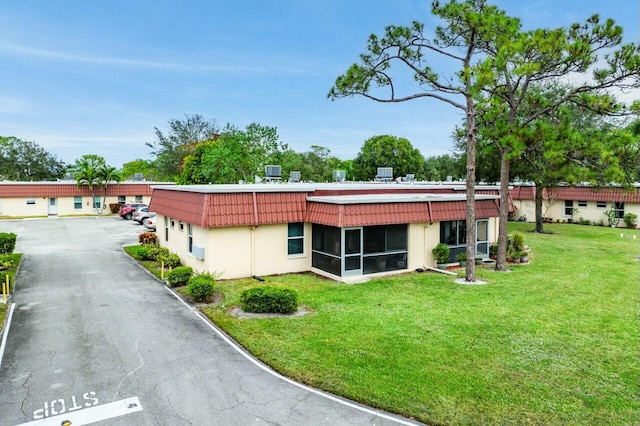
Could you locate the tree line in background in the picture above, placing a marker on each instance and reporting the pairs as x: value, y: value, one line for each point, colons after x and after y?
x: 525, y: 118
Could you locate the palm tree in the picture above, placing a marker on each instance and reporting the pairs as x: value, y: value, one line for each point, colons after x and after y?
x: 108, y: 174
x: 91, y: 170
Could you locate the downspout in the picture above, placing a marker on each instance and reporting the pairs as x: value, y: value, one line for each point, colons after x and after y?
x: 253, y: 235
x: 424, y: 243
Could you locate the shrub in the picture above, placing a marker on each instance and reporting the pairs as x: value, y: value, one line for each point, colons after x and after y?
x: 461, y: 257
x: 146, y: 252
x: 156, y: 252
x: 179, y: 276
x: 493, y: 250
x: 201, y: 287
x: 587, y: 222
x: 517, y: 241
x: 148, y: 238
x: 5, y: 261
x: 115, y: 207
x: 171, y: 260
x: 3, y: 279
x: 441, y: 253
x: 269, y: 300
x: 7, y: 242
x: 630, y: 219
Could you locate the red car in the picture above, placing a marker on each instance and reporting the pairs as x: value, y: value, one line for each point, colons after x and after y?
x: 126, y: 211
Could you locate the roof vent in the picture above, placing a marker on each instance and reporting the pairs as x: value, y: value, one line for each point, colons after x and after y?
x: 272, y: 173
x: 385, y: 174
x: 339, y: 175
x: 294, y: 176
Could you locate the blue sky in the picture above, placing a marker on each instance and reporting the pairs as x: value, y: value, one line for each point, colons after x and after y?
x: 96, y: 77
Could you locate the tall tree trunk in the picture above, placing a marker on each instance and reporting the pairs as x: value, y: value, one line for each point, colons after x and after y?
x: 471, y: 191
x: 501, y: 261
x: 539, y: 221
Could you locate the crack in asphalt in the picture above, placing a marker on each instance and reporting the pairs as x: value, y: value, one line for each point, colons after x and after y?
x: 26, y: 387
x: 130, y: 373
x: 175, y: 413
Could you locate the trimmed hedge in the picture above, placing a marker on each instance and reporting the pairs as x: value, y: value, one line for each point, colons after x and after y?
x: 201, y: 287
x: 267, y: 299
x: 179, y: 276
x: 171, y: 260
x: 7, y: 242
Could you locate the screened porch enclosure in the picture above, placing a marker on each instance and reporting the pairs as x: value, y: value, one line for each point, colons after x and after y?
x: 359, y: 250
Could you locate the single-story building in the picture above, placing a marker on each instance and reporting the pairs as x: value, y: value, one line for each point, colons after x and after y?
x: 64, y: 198
x: 344, y: 231
x: 572, y: 203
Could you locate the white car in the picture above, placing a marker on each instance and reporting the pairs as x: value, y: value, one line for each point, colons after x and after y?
x: 150, y: 223
x: 141, y: 214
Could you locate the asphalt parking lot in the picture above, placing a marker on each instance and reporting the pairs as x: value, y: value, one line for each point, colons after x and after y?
x: 95, y: 339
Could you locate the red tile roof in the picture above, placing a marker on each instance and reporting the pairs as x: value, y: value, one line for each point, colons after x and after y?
x: 581, y: 193
x: 343, y: 215
x: 69, y: 189
x: 230, y: 209
x: 226, y: 208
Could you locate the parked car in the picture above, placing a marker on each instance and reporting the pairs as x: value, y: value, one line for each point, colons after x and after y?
x: 142, y: 213
x: 127, y: 209
x: 150, y: 223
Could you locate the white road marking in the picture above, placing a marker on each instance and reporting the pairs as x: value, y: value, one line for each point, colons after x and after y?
x: 6, y: 332
x: 91, y: 415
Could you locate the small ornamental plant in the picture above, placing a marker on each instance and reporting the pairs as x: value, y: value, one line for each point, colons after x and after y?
x: 179, y: 276
x: 630, y: 219
x: 441, y: 253
x: 268, y: 299
x: 148, y: 238
x: 201, y: 287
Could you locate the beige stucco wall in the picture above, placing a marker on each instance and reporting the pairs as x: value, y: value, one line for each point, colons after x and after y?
x: 238, y: 252
x: 244, y: 251
x: 555, y: 210
x: 18, y: 207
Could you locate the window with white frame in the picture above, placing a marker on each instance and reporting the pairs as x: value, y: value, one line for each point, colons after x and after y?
x: 138, y: 198
x: 31, y: 200
x: 77, y: 203
x: 295, y: 238
x: 568, y: 207
x: 582, y: 203
x: 173, y: 223
x: 122, y: 199
x: 96, y: 202
x: 601, y: 204
x: 190, y: 238
x: 181, y: 226
x: 166, y: 228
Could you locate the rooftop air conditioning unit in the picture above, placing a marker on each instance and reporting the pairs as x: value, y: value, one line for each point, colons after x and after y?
x: 339, y: 175
x: 197, y: 252
x: 294, y: 176
x: 410, y: 177
x: 137, y: 177
x: 385, y: 173
x: 273, y: 171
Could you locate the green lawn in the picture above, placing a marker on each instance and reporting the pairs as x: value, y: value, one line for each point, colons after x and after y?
x: 15, y: 258
x: 552, y: 342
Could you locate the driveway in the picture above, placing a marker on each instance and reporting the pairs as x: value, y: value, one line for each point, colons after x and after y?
x: 94, y: 339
